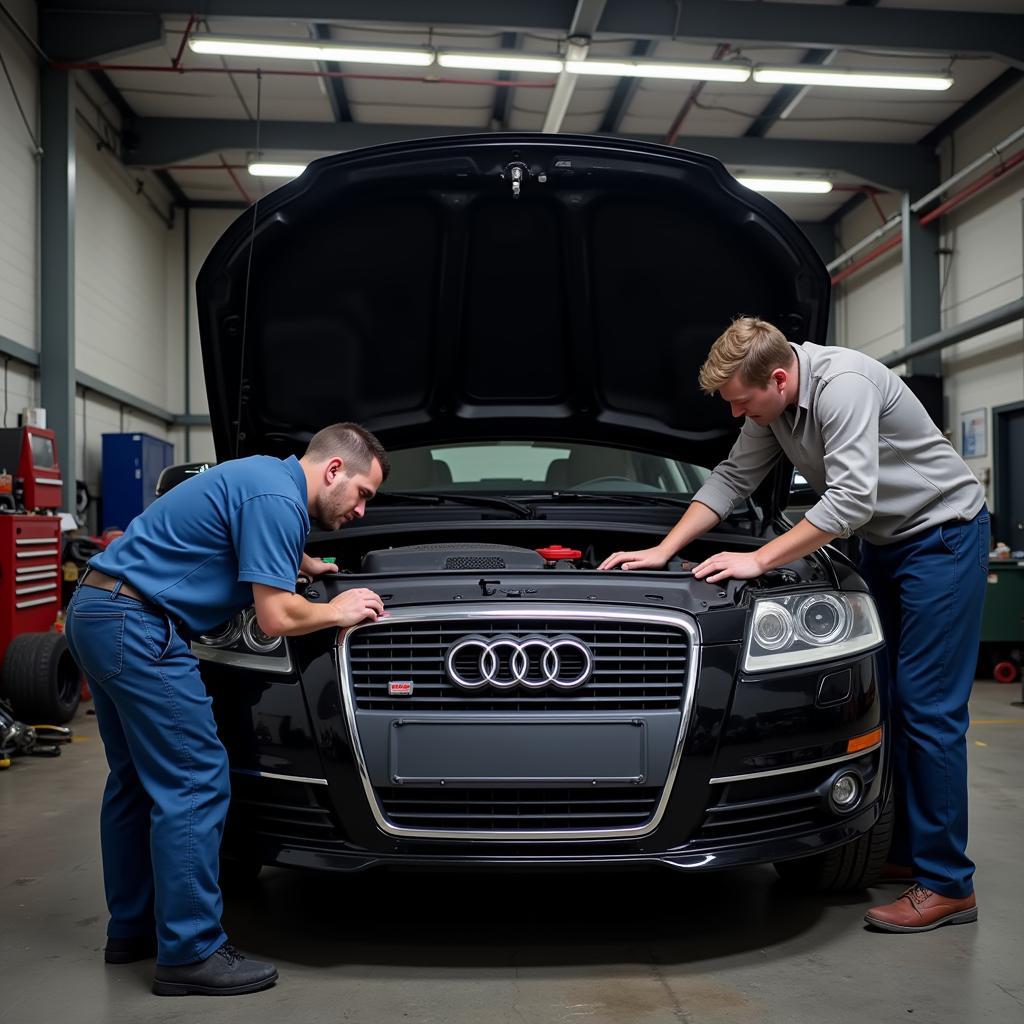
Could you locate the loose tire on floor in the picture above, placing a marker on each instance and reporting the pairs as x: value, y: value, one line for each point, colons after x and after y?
x: 846, y: 868
x: 40, y: 679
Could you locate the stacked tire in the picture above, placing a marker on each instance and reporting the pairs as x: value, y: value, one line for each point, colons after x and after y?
x: 40, y: 679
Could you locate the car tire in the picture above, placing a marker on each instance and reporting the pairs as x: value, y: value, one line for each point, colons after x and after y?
x: 40, y: 679
x: 846, y: 868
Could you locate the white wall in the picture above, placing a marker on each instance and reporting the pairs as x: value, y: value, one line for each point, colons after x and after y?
x: 120, y: 271
x: 20, y: 389
x: 986, y: 270
x: 18, y: 183
x: 95, y: 416
x: 205, y: 227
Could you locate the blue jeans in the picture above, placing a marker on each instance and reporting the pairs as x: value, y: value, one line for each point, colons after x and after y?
x: 167, y: 793
x: 930, y: 590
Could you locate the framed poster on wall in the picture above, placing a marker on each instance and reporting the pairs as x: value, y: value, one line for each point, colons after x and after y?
x: 973, y: 434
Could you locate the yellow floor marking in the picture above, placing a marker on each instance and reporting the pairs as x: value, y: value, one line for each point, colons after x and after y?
x: 978, y: 743
x: 998, y: 721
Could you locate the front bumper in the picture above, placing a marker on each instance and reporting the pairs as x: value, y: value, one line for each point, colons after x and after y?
x: 738, y: 774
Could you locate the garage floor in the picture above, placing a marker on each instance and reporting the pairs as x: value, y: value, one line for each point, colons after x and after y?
x: 412, y: 948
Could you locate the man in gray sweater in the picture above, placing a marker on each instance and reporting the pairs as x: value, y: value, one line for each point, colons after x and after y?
x: 885, y: 473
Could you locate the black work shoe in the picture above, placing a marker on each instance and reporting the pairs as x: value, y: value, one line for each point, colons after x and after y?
x: 224, y: 973
x: 128, y: 951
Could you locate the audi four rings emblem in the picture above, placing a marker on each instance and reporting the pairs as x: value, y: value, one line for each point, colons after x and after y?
x: 534, y: 662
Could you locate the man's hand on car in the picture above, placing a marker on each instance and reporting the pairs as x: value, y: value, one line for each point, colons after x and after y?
x: 358, y: 605
x: 735, y: 565
x: 648, y: 558
x: 316, y: 566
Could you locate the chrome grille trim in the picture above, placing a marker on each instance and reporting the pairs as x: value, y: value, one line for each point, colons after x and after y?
x: 635, y: 669
x: 790, y: 769
x: 471, y: 613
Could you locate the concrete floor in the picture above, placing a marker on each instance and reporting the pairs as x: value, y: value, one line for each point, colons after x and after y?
x: 446, y: 949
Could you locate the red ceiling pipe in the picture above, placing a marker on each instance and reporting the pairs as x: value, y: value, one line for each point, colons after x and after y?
x: 234, y: 178
x: 976, y: 186
x: 868, y: 257
x: 94, y: 66
x: 698, y: 87
x: 932, y: 215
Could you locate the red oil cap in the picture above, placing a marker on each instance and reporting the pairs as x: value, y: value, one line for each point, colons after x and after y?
x: 556, y: 553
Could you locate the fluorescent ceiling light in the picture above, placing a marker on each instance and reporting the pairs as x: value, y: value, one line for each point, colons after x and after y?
x: 712, y: 72
x: 851, y: 79
x: 811, y: 186
x: 281, y: 49
x: 265, y: 170
x: 499, y: 62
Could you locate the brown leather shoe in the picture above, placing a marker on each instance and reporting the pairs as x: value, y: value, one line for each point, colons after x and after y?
x: 920, y: 910
x: 896, y: 873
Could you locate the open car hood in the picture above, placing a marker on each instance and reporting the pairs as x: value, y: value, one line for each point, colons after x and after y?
x: 408, y: 288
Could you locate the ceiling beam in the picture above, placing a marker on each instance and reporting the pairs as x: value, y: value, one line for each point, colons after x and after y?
x: 503, y: 95
x: 803, y: 26
x: 583, y: 25
x: 974, y: 106
x: 164, y: 141
x: 782, y: 104
x: 625, y: 90
x: 335, y: 87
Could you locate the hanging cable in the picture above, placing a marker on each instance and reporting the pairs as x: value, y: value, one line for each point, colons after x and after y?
x: 37, y: 149
x: 20, y: 29
x: 248, y: 272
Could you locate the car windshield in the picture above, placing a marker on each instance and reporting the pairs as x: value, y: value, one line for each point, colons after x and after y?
x: 532, y: 467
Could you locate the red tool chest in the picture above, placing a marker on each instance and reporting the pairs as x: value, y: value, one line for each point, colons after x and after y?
x: 30, y: 578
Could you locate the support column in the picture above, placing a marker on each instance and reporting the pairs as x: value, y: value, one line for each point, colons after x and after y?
x: 822, y: 236
x: 922, y: 314
x: 57, y: 321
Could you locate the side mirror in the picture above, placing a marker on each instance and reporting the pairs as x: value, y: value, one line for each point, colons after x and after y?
x: 800, y: 491
x: 174, y: 475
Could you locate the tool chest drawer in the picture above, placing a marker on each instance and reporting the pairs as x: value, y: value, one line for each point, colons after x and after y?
x: 30, y: 580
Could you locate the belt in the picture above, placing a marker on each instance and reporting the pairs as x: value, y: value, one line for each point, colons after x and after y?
x: 100, y: 580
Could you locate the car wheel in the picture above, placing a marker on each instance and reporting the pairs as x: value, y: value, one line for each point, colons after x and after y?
x: 41, y: 679
x: 846, y: 868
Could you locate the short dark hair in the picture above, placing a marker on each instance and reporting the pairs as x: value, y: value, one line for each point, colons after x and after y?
x: 352, y: 443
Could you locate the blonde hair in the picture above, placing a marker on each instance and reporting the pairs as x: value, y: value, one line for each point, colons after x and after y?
x: 750, y: 347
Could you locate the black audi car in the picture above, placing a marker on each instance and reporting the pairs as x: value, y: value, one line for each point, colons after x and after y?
x: 520, y: 319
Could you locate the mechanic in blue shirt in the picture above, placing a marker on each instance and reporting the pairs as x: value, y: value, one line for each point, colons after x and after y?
x: 226, y: 539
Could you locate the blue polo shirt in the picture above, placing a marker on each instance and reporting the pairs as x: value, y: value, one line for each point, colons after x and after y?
x: 197, y: 549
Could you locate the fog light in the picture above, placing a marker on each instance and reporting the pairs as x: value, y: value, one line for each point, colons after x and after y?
x: 846, y: 791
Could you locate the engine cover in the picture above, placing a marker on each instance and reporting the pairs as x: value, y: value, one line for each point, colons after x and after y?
x: 452, y: 557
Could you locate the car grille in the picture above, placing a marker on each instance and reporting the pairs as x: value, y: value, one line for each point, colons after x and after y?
x: 510, y: 810
x: 293, y: 811
x: 638, y: 666
x: 754, y: 810
x: 757, y: 820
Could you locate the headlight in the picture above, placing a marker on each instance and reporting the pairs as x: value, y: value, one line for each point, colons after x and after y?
x: 800, y: 629
x: 242, y: 644
x: 255, y: 638
x: 226, y: 635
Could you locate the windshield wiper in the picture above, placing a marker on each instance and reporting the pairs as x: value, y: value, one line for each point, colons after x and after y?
x: 612, y: 498
x: 439, y: 498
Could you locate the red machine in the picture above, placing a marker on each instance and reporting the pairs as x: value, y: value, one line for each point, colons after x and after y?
x: 37, y: 673
x: 29, y: 456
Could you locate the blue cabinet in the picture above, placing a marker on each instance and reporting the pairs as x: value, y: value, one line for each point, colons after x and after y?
x: 132, y: 463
